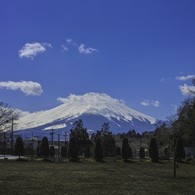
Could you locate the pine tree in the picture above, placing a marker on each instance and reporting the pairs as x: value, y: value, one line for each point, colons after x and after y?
x: 64, y: 151
x: 118, y: 151
x: 153, y: 151
x: 87, y: 151
x: 44, y: 147
x: 130, y: 152
x: 72, y: 149
x: 19, y: 147
x: 81, y: 135
x: 51, y: 151
x: 142, y: 153
x: 98, y: 150
x: 179, y: 150
x: 125, y: 149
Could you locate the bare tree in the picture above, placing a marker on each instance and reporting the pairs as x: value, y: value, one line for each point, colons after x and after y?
x: 7, y: 115
x: 193, y: 83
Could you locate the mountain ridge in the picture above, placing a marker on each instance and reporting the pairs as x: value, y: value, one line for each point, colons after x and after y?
x: 90, y: 107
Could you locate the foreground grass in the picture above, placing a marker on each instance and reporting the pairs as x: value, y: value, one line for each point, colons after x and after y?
x: 141, y: 177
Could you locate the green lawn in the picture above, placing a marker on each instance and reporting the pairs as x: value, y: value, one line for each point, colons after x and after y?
x: 37, y: 177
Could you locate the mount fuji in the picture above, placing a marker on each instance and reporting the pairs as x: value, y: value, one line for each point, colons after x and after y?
x: 93, y: 108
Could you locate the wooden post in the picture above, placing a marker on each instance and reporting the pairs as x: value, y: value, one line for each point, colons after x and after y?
x: 59, y: 147
x: 12, y: 134
x: 4, y: 146
x: 32, y: 147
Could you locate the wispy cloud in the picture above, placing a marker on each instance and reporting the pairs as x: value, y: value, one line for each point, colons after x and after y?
x: 185, y: 89
x: 30, y: 50
x: 87, y: 50
x: 164, y: 79
x: 64, y: 48
x: 174, y: 107
x: 150, y: 102
x: 27, y: 87
x: 183, y: 78
x: 70, y: 41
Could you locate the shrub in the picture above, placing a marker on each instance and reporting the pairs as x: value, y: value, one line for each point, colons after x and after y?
x: 142, y: 153
x: 87, y: 152
x: 64, y: 151
x: 44, y: 147
x: 38, y: 154
x: 72, y: 149
x: 153, y: 151
x: 98, y: 150
x: 51, y: 151
x: 117, y: 158
x: 188, y: 159
x: 179, y: 150
x: 166, y: 151
x: 125, y: 149
x: 130, y: 152
x: 118, y: 151
x: 19, y: 147
x: 163, y: 157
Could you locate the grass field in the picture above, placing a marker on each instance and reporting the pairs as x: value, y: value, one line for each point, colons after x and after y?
x: 137, y: 177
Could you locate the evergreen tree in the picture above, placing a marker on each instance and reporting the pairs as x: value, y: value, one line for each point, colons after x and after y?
x: 44, y: 147
x: 19, y: 147
x: 118, y: 151
x: 142, y: 153
x: 166, y: 151
x: 87, y: 151
x: 81, y: 136
x: 98, y: 150
x: 72, y: 149
x: 107, y: 140
x: 153, y: 151
x: 51, y: 151
x: 38, y: 155
x: 179, y: 150
x: 125, y: 149
x: 130, y: 152
x: 64, y: 151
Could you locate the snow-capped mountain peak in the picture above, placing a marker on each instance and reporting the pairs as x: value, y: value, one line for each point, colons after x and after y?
x: 90, y: 105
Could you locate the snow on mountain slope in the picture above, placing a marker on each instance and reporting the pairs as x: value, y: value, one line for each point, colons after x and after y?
x: 87, y: 105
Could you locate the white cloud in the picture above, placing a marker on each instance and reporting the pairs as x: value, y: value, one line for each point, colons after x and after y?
x: 27, y: 87
x: 47, y: 44
x: 22, y: 113
x: 162, y: 79
x: 91, y: 97
x: 183, y: 78
x: 64, y: 48
x: 30, y: 50
x: 87, y: 50
x: 70, y: 41
x: 185, y: 89
x: 174, y: 106
x: 155, y: 103
x: 147, y: 103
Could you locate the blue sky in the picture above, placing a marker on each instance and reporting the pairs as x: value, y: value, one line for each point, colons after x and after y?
x: 140, y: 51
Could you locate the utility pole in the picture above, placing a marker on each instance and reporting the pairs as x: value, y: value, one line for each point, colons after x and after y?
x: 59, y: 147
x: 65, y: 137
x: 32, y: 145
x: 140, y: 141
x: 12, y: 133
x: 4, y: 146
x: 52, y: 136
